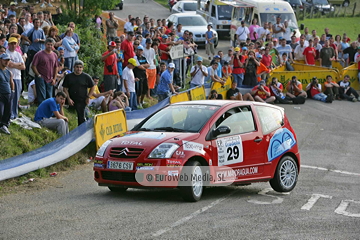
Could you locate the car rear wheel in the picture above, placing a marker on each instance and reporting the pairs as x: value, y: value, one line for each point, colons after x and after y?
x: 118, y: 189
x: 286, y: 175
x: 193, y: 192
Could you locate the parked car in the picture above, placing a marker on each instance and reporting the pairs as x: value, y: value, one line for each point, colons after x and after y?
x: 322, y: 6
x: 247, y: 141
x: 120, y: 5
x: 184, y: 6
x: 193, y: 23
x: 296, y: 3
x: 344, y: 3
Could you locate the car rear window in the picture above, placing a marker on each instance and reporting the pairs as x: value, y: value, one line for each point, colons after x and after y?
x: 270, y: 118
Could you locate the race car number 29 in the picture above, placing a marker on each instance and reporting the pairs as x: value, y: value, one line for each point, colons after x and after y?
x: 230, y: 150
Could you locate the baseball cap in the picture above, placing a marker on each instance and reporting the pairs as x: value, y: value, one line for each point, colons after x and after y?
x: 132, y: 61
x: 199, y: 59
x: 5, y: 56
x: 140, y: 47
x: 281, y: 38
x: 242, y: 22
x: 275, y: 40
x: 60, y: 48
x: 95, y: 77
x: 244, y: 48
x: 171, y: 65
x: 164, y: 36
x: 13, y: 40
x: 237, y: 49
x: 112, y: 44
x: 262, y: 82
x: 12, y: 3
x: 216, y: 56
x: 230, y: 49
x: 210, y: 24
x: 148, y: 40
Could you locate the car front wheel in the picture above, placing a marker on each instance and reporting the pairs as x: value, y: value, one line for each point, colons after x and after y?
x: 286, y: 175
x: 192, y: 191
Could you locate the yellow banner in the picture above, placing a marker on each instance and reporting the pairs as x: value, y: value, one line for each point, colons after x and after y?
x: 220, y: 89
x: 181, y: 97
x: 108, y: 125
x: 198, y: 93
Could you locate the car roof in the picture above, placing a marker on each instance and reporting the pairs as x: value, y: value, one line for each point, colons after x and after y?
x: 222, y: 103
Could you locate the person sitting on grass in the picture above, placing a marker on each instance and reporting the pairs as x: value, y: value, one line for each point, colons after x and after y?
x: 120, y: 101
x: 50, y: 114
x: 99, y: 100
x: 347, y: 92
x: 214, y: 95
x: 234, y: 93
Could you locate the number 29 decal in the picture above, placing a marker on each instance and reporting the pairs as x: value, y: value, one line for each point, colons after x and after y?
x: 230, y: 150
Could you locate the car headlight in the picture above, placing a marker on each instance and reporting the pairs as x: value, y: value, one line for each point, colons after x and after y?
x: 164, y: 150
x: 103, y: 147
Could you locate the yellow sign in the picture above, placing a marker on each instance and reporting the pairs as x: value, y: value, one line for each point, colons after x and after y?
x: 181, y: 97
x: 220, y: 89
x: 108, y: 125
x: 198, y: 93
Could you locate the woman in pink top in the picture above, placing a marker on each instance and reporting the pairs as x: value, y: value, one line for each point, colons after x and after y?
x: 253, y: 30
x: 120, y: 101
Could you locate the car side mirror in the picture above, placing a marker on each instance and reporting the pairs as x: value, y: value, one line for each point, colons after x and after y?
x: 221, y: 130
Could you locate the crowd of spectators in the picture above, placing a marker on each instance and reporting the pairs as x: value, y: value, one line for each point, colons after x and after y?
x: 138, y: 64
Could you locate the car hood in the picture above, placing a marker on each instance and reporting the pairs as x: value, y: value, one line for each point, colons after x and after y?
x: 148, y: 140
x: 196, y: 29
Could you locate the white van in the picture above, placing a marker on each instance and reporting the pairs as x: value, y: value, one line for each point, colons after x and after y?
x: 218, y: 12
x: 264, y: 11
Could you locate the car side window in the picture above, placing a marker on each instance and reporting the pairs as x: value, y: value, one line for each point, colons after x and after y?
x: 270, y: 118
x: 239, y: 120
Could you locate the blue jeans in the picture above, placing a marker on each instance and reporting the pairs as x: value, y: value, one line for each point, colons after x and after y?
x: 15, y: 100
x: 133, y: 101
x: 44, y: 90
x: 238, y: 78
x: 320, y: 97
x: 69, y: 62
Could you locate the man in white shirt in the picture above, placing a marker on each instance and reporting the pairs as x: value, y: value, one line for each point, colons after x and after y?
x: 284, y: 48
x: 129, y: 82
x: 299, y: 50
x: 263, y: 31
x: 16, y: 64
x: 128, y: 24
x: 198, y: 73
x: 242, y: 33
x: 28, y: 25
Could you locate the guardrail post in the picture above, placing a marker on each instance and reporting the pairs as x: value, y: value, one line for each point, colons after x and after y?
x: 353, y: 13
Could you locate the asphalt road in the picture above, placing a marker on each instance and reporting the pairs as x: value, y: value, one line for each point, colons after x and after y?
x: 324, y: 205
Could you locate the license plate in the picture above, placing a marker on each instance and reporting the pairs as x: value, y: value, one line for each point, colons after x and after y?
x: 120, y: 165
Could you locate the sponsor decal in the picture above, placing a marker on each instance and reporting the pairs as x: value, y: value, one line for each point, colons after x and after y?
x: 231, y: 174
x: 98, y: 161
x: 98, y: 165
x: 230, y: 150
x: 131, y: 143
x: 145, y: 168
x: 180, y: 154
x: 173, y: 163
x: 193, y: 146
x: 281, y: 142
x: 144, y: 164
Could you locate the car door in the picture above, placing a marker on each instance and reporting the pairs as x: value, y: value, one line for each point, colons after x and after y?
x: 243, y: 148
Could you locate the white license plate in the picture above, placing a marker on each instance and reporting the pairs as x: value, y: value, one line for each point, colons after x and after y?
x: 120, y: 165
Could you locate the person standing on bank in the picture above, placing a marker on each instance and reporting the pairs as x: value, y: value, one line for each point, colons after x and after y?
x: 110, y: 67
x: 76, y: 86
x: 198, y: 73
x: 7, y: 88
x: 45, y: 66
x: 111, y: 27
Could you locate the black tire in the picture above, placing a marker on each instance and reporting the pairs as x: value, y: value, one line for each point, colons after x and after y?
x: 286, y: 175
x: 216, y: 43
x: 193, y: 193
x: 118, y: 189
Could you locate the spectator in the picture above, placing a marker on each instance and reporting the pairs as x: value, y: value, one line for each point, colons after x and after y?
x: 331, y: 88
x: 7, y: 88
x: 75, y: 36
x: 317, y: 46
x: 111, y: 73
x: 293, y: 45
x: 219, y: 68
x: 226, y: 70
x: 120, y: 60
x: 213, y: 74
x: 140, y: 73
x: 76, y: 86
x: 210, y: 40
x: 347, y: 92
x: 343, y: 57
x: 253, y: 30
x: 237, y: 61
x: 274, y: 54
x: 288, y: 33
x: 165, y: 49
x: 43, y: 23
x: 299, y: 51
x: 327, y: 34
x: 310, y: 54
x: 98, y: 100
x: 263, y: 31
x: 234, y: 94
x: 242, y: 33
x: 227, y: 57
x: 278, y: 28
x: 327, y: 55
x: 53, y: 33
x: 45, y: 66
x: 71, y: 48
x: 284, y: 48
x: 128, y: 48
x: 12, y: 9
x: 294, y: 88
x: 50, y: 114
x: 128, y: 24
x: 214, y: 95
x: 129, y: 83
x: 28, y: 24
x: 313, y: 35
x: 315, y: 90
x: 31, y: 92
x: 120, y: 101
x: 262, y: 93
x: 251, y: 65
x: 267, y: 59
x: 150, y: 55
x: 179, y: 31
x: 165, y: 87
x: 276, y: 90
x: 198, y: 73
x: 16, y: 64
x: 111, y: 27
x: 307, y: 35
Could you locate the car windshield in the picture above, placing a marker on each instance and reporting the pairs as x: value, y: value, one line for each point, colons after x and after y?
x: 190, y: 6
x: 271, y: 17
x: 224, y: 12
x: 179, y: 118
x: 192, y: 21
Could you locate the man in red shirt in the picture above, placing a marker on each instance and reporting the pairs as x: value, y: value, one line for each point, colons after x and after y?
x: 310, y: 54
x: 164, y: 49
x: 261, y: 93
x: 128, y: 48
x: 111, y: 73
x: 267, y: 59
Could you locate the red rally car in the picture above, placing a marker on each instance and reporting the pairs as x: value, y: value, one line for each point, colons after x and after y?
x: 225, y: 142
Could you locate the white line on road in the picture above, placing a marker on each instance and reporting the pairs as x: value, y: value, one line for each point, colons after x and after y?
x: 194, y: 214
x: 331, y: 170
